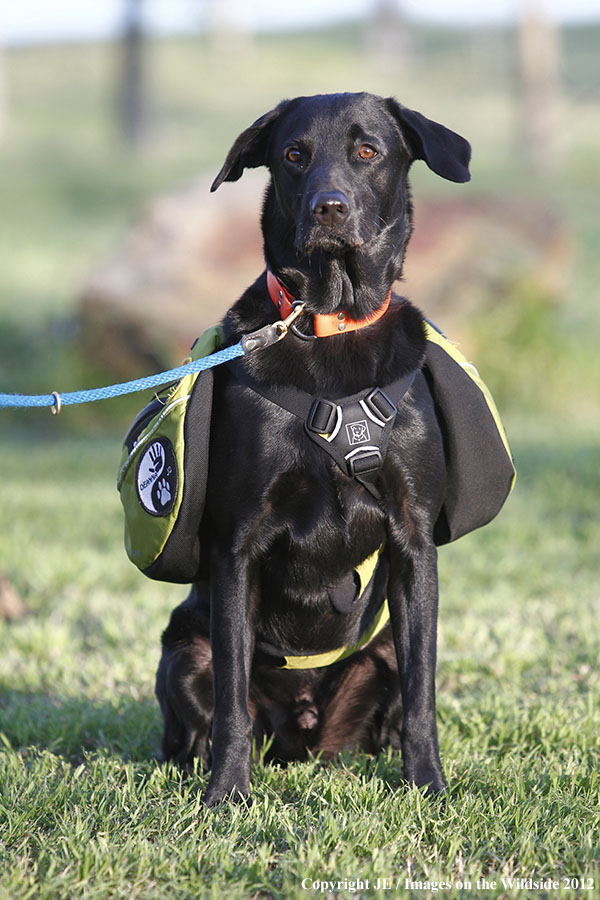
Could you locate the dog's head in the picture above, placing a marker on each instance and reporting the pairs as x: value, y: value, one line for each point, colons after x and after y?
x: 338, y: 201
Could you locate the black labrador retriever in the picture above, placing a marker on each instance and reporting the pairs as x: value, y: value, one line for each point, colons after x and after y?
x: 286, y: 526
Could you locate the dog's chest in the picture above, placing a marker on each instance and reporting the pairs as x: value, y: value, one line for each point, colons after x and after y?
x: 316, y: 525
x: 271, y: 486
x: 316, y: 539
x: 279, y: 495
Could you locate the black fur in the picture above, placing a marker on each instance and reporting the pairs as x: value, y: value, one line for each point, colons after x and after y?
x: 283, y: 527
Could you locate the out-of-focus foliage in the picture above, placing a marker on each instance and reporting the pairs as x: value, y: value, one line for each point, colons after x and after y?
x: 70, y: 186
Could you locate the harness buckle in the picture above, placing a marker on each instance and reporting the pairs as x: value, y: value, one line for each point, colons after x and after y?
x: 364, y: 461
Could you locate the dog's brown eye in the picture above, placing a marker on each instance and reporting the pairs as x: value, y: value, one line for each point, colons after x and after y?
x: 293, y: 155
x: 367, y: 152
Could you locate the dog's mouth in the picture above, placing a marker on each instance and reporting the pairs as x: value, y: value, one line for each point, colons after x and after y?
x: 323, y: 241
x: 332, y: 240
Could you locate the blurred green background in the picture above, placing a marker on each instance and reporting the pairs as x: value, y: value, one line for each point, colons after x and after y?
x: 75, y: 175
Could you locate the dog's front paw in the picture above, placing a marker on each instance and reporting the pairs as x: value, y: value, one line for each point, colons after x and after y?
x: 214, y: 797
x: 428, y: 776
x: 423, y: 768
x: 223, y: 789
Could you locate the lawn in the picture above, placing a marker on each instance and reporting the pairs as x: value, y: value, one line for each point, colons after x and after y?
x: 86, y: 808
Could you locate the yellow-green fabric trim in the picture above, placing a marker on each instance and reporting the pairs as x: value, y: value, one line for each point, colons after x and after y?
x: 436, y: 337
x: 365, y: 572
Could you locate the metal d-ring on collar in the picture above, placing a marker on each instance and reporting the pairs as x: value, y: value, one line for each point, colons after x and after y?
x: 300, y: 334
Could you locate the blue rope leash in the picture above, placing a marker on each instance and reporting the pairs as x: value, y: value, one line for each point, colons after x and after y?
x: 257, y: 340
x: 56, y: 400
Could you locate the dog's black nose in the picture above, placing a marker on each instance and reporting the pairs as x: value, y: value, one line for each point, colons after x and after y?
x: 329, y: 207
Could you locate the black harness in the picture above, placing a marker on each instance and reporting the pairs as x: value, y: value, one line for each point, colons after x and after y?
x: 355, y: 431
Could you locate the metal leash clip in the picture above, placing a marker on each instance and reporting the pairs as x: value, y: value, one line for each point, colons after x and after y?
x: 271, y: 334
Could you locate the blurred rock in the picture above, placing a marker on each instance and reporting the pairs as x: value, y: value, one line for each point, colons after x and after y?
x: 11, y: 605
x: 190, y: 257
x: 193, y: 253
x: 466, y: 255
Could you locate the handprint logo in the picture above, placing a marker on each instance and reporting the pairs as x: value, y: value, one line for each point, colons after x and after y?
x: 157, y: 458
x: 163, y: 492
x: 157, y: 477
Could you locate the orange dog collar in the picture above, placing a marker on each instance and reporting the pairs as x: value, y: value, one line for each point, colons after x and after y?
x: 324, y: 325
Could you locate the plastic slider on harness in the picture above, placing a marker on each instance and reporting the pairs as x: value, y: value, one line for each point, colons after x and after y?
x: 364, y: 461
x: 324, y: 419
x: 379, y: 407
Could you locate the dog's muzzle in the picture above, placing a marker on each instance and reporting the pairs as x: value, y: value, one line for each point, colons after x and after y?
x: 327, y: 224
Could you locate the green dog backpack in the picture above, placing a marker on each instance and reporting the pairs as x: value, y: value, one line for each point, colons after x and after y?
x: 163, y: 473
x: 164, y: 465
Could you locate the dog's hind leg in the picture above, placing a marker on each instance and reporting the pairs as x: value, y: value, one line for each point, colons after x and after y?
x: 184, y: 690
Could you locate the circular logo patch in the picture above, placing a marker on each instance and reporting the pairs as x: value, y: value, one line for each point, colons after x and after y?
x: 157, y: 477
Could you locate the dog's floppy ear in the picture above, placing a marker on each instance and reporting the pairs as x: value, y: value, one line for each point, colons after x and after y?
x: 445, y: 152
x: 249, y: 149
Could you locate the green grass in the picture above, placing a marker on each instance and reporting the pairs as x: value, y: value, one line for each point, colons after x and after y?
x: 86, y: 809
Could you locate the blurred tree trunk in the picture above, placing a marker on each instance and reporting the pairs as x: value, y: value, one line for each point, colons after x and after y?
x: 133, y: 86
x: 540, y: 77
x: 3, y: 102
x: 389, y: 36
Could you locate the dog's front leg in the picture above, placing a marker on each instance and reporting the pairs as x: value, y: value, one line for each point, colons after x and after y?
x: 232, y: 606
x: 413, y: 601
